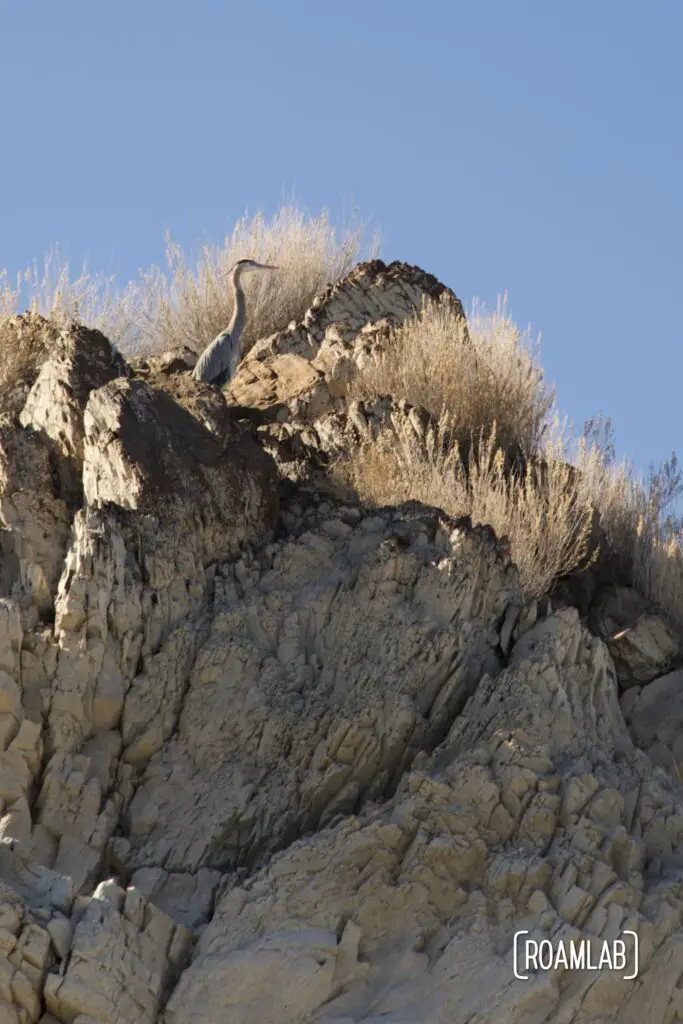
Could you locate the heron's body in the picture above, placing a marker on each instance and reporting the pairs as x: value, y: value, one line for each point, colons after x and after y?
x: 218, y: 361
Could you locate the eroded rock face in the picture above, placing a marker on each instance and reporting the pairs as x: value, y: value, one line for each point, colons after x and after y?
x: 26, y: 341
x: 41, y: 465
x: 117, y: 498
x: 314, y: 692
x: 108, y: 957
x: 123, y: 957
x: 536, y: 812
x: 147, y: 453
x: 267, y: 756
x: 35, y: 522
x: 77, y: 361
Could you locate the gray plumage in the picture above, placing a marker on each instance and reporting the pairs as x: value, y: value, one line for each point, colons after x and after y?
x: 218, y: 361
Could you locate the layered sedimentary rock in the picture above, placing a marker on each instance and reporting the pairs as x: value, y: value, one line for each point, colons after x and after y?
x: 267, y: 755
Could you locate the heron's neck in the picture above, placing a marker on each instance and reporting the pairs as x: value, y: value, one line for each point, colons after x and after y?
x: 239, y: 307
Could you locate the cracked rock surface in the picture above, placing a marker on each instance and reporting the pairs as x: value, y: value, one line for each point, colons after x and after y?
x: 268, y: 756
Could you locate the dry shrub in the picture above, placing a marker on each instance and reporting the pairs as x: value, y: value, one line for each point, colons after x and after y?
x: 189, y: 302
x: 485, y: 375
x: 658, y: 565
x: 89, y: 299
x: 635, y: 515
x: 9, y: 296
x: 189, y: 305
x: 486, y: 393
x: 490, y: 385
x: 548, y: 523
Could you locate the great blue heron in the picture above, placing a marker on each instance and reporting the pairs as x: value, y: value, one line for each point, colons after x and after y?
x: 218, y: 361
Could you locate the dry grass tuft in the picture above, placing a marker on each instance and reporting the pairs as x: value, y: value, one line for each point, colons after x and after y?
x: 50, y: 291
x: 188, y: 302
x: 548, y: 523
x: 636, y: 517
x: 659, y: 570
x: 490, y: 377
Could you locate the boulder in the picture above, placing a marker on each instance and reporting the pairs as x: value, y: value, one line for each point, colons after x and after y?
x: 371, y: 292
x: 75, y: 361
x: 654, y: 714
x: 146, y: 453
x: 645, y: 650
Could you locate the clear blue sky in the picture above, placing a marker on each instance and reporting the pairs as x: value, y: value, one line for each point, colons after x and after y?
x: 533, y: 147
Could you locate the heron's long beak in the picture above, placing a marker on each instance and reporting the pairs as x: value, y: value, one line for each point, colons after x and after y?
x: 259, y: 266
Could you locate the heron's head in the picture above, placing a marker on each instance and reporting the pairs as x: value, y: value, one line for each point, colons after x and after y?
x: 246, y: 266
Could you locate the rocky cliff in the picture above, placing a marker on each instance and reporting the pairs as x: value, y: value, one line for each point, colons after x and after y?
x: 270, y: 756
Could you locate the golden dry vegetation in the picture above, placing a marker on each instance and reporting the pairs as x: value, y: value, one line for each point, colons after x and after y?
x: 490, y: 404
x: 482, y: 386
x: 186, y: 302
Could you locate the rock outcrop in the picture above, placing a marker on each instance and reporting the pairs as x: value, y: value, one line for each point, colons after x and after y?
x: 536, y: 812
x: 371, y: 294
x: 267, y: 755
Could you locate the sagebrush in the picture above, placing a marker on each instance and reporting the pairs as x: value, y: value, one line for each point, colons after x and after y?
x: 477, y: 375
x: 547, y: 520
x: 487, y: 398
x: 638, y: 516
